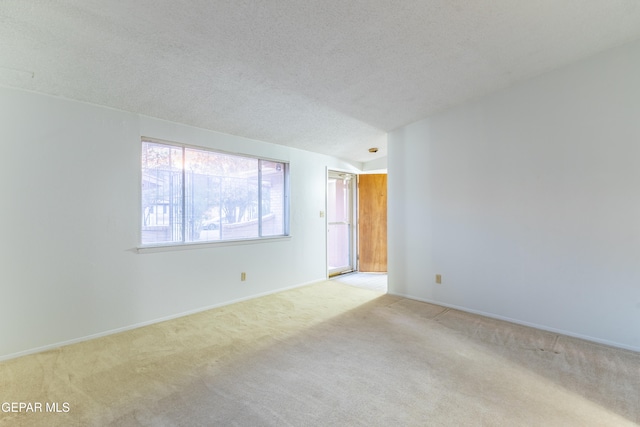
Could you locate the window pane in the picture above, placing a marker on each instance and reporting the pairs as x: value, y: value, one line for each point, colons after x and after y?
x: 273, y: 200
x: 338, y: 192
x: 338, y: 242
x: 161, y: 193
x: 222, y: 196
x: 202, y: 198
x: 240, y: 198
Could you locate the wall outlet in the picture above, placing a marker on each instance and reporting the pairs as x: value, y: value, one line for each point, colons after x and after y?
x: 438, y: 278
x: 321, y: 214
x: 243, y: 276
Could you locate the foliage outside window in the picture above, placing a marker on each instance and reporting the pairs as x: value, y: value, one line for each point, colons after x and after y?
x: 194, y: 195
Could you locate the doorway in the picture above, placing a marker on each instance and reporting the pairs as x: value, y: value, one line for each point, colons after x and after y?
x: 341, y: 233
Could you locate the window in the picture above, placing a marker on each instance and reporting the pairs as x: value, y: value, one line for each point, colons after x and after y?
x: 194, y: 195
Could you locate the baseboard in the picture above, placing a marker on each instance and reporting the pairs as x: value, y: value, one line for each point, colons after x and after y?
x: 147, y: 323
x: 523, y: 323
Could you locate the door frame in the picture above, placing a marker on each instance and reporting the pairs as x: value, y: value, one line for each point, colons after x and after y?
x: 353, y: 235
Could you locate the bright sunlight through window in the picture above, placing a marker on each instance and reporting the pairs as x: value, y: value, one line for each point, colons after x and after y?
x: 192, y: 195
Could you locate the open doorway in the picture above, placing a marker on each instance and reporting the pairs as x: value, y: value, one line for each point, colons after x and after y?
x: 357, y: 229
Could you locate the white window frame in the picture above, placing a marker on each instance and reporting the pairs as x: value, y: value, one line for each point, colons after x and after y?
x: 172, y: 245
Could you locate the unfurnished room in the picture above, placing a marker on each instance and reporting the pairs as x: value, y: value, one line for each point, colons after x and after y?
x: 320, y: 213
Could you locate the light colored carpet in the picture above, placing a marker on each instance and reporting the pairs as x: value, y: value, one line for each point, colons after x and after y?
x: 373, y: 281
x: 328, y: 355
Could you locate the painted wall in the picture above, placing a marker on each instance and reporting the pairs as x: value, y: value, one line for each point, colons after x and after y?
x: 69, y: 269
x: 375, y: 166
x: 528, y: 202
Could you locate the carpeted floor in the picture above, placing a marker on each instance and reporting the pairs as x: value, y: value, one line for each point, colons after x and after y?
x: 327, y: 355
x: 373, y: 281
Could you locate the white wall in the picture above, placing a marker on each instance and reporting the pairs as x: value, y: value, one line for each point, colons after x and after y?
x: 375, y: 166
x: 69, y: 183
x: 528, y: 202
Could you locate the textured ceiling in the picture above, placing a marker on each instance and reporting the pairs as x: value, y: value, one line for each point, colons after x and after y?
x: 330, y: 76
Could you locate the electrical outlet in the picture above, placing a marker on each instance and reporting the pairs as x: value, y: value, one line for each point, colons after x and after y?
x: 321, y: 214
x: 438, y: 278
x: 243, y: 276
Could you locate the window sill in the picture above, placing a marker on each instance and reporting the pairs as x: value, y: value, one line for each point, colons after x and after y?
x: 205, y: 245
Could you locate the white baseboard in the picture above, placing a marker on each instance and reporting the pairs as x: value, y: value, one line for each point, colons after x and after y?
x: 523, y: 323
x: 149, y: 322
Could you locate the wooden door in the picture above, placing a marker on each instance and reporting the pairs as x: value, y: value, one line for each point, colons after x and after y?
x: 372, y: 222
